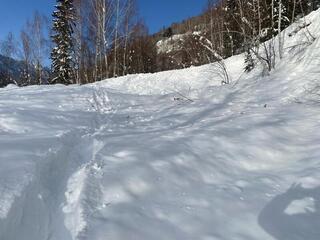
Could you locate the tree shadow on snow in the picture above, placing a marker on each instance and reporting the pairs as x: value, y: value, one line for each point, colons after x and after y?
x: 294, y: 215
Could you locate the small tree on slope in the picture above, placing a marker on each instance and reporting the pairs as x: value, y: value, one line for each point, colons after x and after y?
x: 62, y: 52
x: 249, y: 61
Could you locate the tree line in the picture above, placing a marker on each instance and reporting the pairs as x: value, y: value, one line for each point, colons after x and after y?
x: 91, y: 40
x: 231, y: 27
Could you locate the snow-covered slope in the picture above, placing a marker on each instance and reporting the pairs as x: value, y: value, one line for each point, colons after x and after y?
x: 185, y: 80
x: 172, y: 155
x: 171, y: 44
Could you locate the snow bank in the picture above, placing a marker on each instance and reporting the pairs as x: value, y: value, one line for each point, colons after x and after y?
x: 176, y: 80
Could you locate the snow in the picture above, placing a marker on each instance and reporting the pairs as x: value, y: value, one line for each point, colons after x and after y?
x: 168, y: 82
x: 134, y: 158
x: 171, y: 44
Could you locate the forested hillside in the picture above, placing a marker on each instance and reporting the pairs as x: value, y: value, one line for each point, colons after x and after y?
x: 109, y: 39
x: 14, y: 71
x: 9, y: 67
x: 230, y: 27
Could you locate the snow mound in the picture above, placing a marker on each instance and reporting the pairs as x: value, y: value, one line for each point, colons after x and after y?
x: 169, y: 82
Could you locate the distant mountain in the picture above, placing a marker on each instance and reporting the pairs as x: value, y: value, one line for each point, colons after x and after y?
x: 14, y: 69
x: 9, y: 67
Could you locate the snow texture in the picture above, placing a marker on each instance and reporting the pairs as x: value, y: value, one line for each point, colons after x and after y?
x: 172, y: 155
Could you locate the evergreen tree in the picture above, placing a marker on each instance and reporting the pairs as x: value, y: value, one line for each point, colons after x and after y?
x: 249, y: 62
x: 233, y: 39
x: 62, y: 53
x: 25, y: 77
x: 315, y: 4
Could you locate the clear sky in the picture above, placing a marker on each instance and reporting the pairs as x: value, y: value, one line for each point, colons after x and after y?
x: 157, y: 13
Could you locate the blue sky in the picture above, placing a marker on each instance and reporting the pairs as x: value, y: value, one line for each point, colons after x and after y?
x: 13, y: 13
x: 157, y: 13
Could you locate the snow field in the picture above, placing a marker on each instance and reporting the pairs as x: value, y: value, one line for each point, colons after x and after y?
x: 131, y: 158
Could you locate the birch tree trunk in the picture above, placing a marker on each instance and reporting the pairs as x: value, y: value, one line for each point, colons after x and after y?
x: 115, y: 65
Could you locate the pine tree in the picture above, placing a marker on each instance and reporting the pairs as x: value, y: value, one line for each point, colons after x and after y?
x: 62, y: 53
x: 315, y: 4
x: 25, y: 77
x: 249, y: 62
x: 233, y: 39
